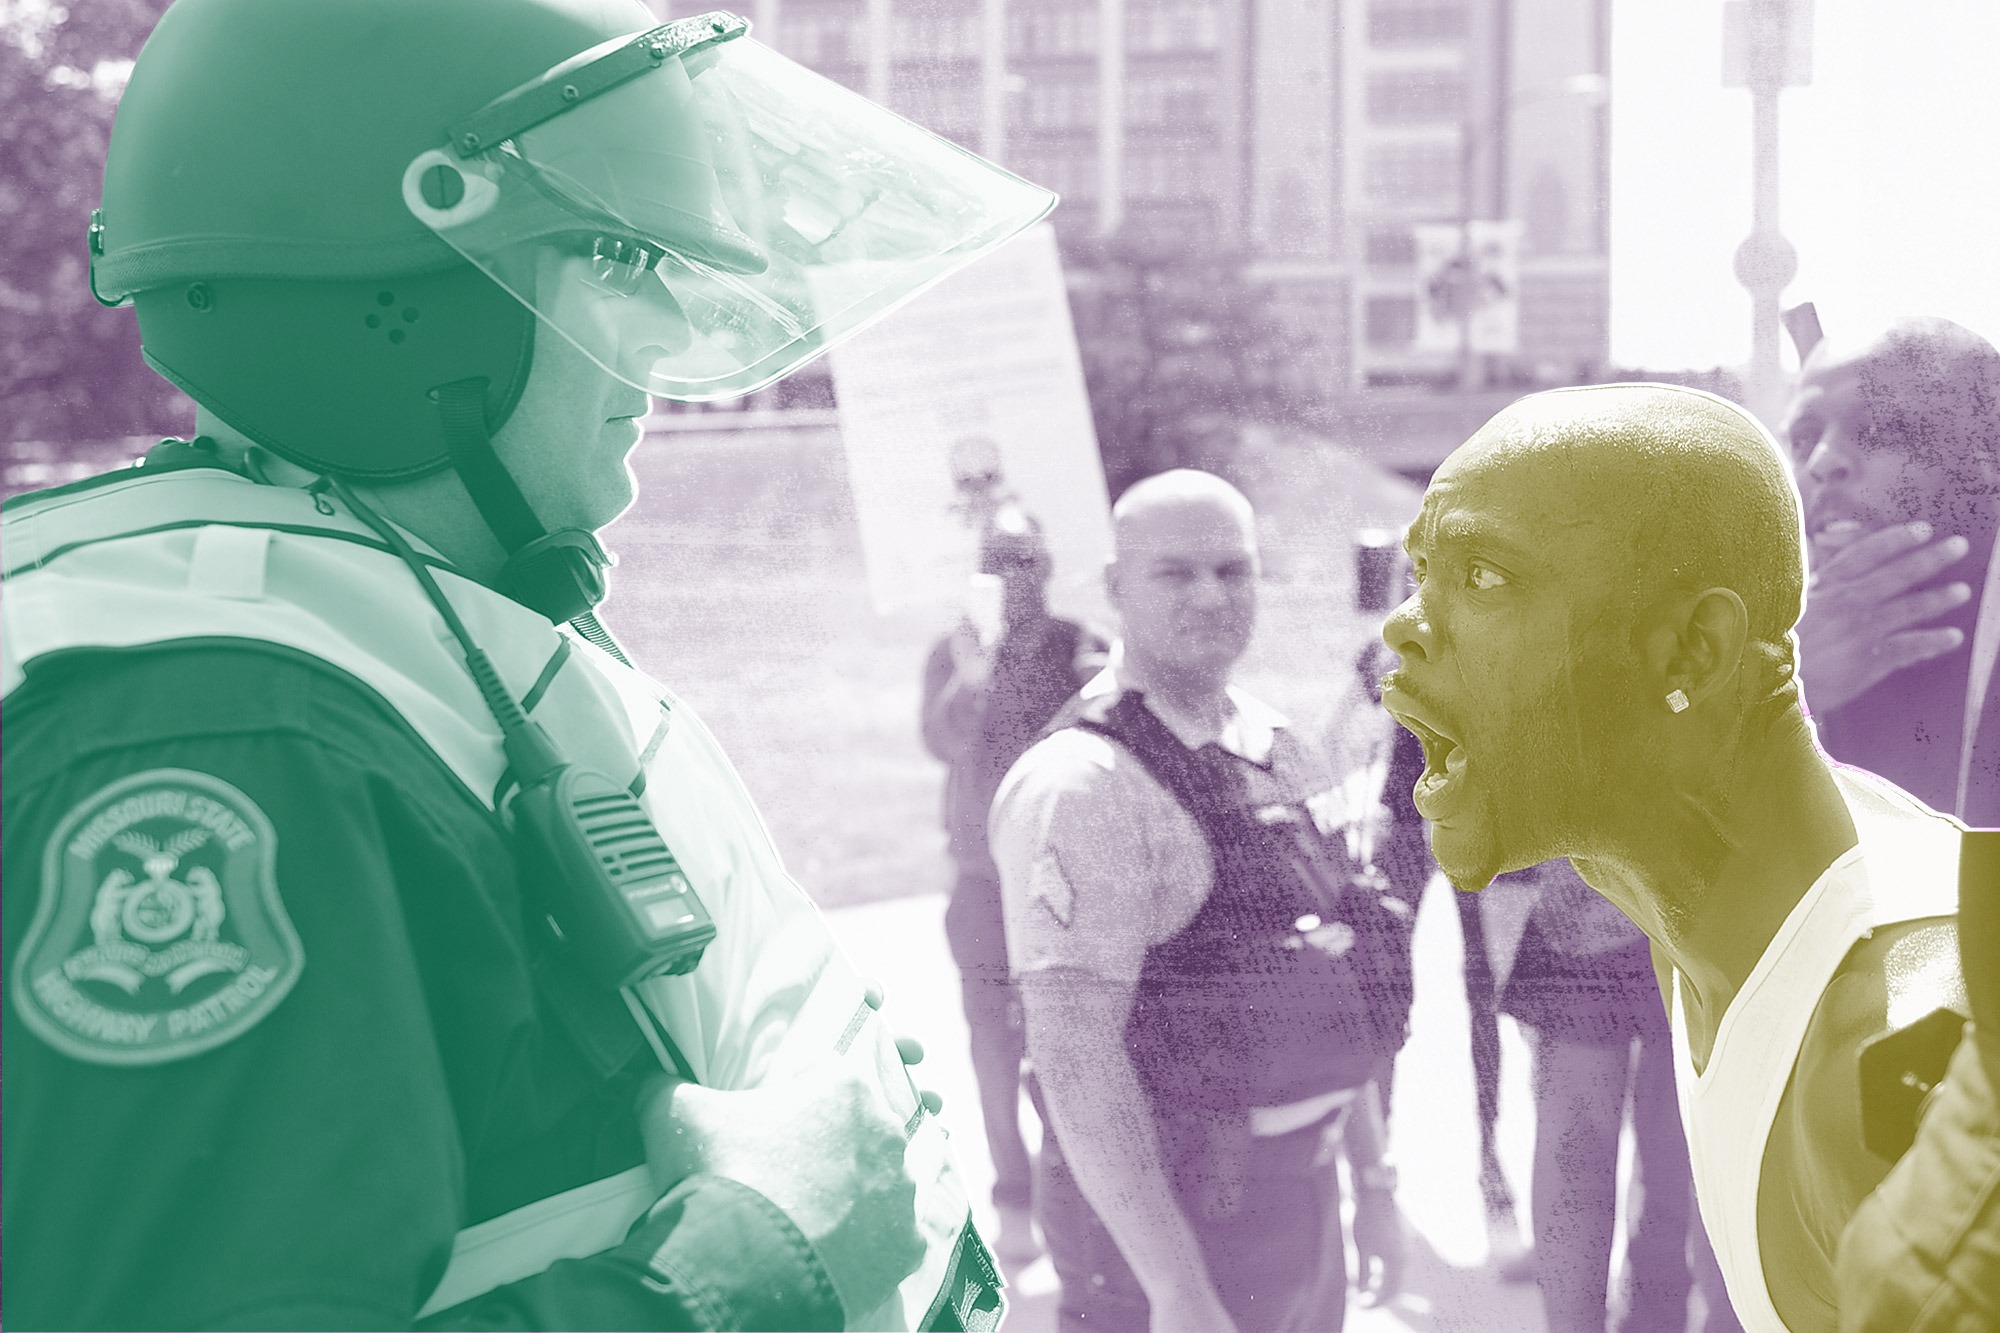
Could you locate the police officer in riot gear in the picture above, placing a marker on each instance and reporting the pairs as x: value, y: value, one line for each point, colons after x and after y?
x: 382, y: 947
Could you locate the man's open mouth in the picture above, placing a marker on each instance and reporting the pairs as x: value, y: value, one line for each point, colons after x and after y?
x: 1838, y: 531
x: 1444, y: 759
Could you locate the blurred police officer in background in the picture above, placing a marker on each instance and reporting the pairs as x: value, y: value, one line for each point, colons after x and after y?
x: 1211, y: 986
x: 357, y: 912
x: 988, y: 692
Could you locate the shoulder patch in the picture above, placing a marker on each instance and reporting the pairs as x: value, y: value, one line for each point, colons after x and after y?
x: 159, y: 933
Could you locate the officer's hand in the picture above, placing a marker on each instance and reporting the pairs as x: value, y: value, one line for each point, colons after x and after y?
x: 1863, y: 620
x: 1380, y: 1245
x: 909, y: 1048
x: 822, y: 1146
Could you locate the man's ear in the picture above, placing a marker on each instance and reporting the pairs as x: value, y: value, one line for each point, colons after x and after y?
x: 1696, y: 645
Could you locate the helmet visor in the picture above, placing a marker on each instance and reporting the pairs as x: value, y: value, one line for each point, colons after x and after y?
x: 715, y: 217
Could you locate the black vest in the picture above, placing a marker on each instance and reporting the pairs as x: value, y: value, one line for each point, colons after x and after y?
x: 1293, y: 978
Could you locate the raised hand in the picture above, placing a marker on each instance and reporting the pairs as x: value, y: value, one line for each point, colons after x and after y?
x: 1866, y: 617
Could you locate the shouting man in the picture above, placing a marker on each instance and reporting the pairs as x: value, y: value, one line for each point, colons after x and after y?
x: 1599, y: 660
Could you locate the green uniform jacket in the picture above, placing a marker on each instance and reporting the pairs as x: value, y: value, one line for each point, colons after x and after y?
x: 425, y: 1069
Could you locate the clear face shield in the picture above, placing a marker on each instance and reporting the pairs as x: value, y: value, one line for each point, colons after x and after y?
x: 702, y: 216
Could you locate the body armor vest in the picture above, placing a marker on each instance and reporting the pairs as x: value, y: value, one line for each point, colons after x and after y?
x: 1292, y: 979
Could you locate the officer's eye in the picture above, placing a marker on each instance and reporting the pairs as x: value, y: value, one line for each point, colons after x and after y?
x: 1484, y: 577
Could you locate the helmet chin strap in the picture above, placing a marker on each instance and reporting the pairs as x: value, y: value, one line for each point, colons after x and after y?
x: 559, y: 574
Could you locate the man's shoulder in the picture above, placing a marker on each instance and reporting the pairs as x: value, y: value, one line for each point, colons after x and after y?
x: 1069, y: 759
x: 1895, y: 975
x: 93, y: 701
x: 1076, y: 773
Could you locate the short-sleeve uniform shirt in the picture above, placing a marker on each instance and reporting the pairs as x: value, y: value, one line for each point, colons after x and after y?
x: 1098, y: 862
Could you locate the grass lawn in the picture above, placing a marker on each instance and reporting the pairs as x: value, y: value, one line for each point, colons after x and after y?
x: 740, y: 586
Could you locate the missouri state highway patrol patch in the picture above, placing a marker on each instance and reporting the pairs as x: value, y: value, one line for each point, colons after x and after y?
x: 159, y: 933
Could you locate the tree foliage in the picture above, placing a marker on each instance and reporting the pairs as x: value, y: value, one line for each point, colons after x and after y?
x: 69, y: 368
x: 1179, y: 348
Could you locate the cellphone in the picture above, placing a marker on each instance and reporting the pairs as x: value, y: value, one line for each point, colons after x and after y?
x: 1802, y: 322
x: 983, y: 596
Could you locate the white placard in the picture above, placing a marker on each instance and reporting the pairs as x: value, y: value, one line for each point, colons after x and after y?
x: 1469, y: 284
x: 970, y: 393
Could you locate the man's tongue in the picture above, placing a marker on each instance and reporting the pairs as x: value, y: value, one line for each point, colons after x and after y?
x: 1438, y: 782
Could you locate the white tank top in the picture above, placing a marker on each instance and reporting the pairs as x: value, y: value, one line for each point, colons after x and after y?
x: 1728, y: 1108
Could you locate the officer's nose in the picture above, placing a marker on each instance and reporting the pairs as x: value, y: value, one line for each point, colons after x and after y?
x: 1209, y: 592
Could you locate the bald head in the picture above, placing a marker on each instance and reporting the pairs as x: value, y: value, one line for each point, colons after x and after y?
x: 1684, y: 489
x: 1184, y: 578
x: 1585, y: 555
x: 1168, y: 500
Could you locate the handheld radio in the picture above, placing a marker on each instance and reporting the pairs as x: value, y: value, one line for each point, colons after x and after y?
x: 609, y: 887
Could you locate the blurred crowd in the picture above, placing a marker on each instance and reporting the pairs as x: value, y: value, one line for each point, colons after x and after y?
x: 1154, y: 869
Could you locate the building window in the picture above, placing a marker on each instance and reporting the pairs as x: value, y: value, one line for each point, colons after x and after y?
x: 941, y: 104
x: 1168, y: 173
x: 1059, y: 104
x: 1414, y: 174
x: 1391, y: 247
x: 1390, y: 321
x: 1547, y: 213
x: 1170, y: 97
x: 1179, y: 25
x: 1400, y: 22
x: 1047, y: 30
x: 1071, y: 175
x: 936, y: 36
x: 1417, y: 95
x: 820, y: 39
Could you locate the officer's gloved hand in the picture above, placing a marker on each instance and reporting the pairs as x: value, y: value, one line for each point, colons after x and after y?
x: 822, y: 1145
x: 909, y: 1048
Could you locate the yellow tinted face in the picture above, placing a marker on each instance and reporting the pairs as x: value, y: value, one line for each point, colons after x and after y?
x: 1516, y: 662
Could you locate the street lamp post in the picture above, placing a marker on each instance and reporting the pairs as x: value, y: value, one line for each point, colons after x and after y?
x: 1773, y: 37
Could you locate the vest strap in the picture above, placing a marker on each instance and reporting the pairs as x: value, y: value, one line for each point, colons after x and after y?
x: 462, y: 406
x: 229, y: 562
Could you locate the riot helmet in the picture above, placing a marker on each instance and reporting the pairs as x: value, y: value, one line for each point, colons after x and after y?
x: 344, y: 223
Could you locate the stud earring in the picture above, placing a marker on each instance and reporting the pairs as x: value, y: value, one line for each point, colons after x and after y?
x: 1677, y: 700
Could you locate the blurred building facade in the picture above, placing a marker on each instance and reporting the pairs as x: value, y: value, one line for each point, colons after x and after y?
x: 1463, y: 110
x: 1309, y: 137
